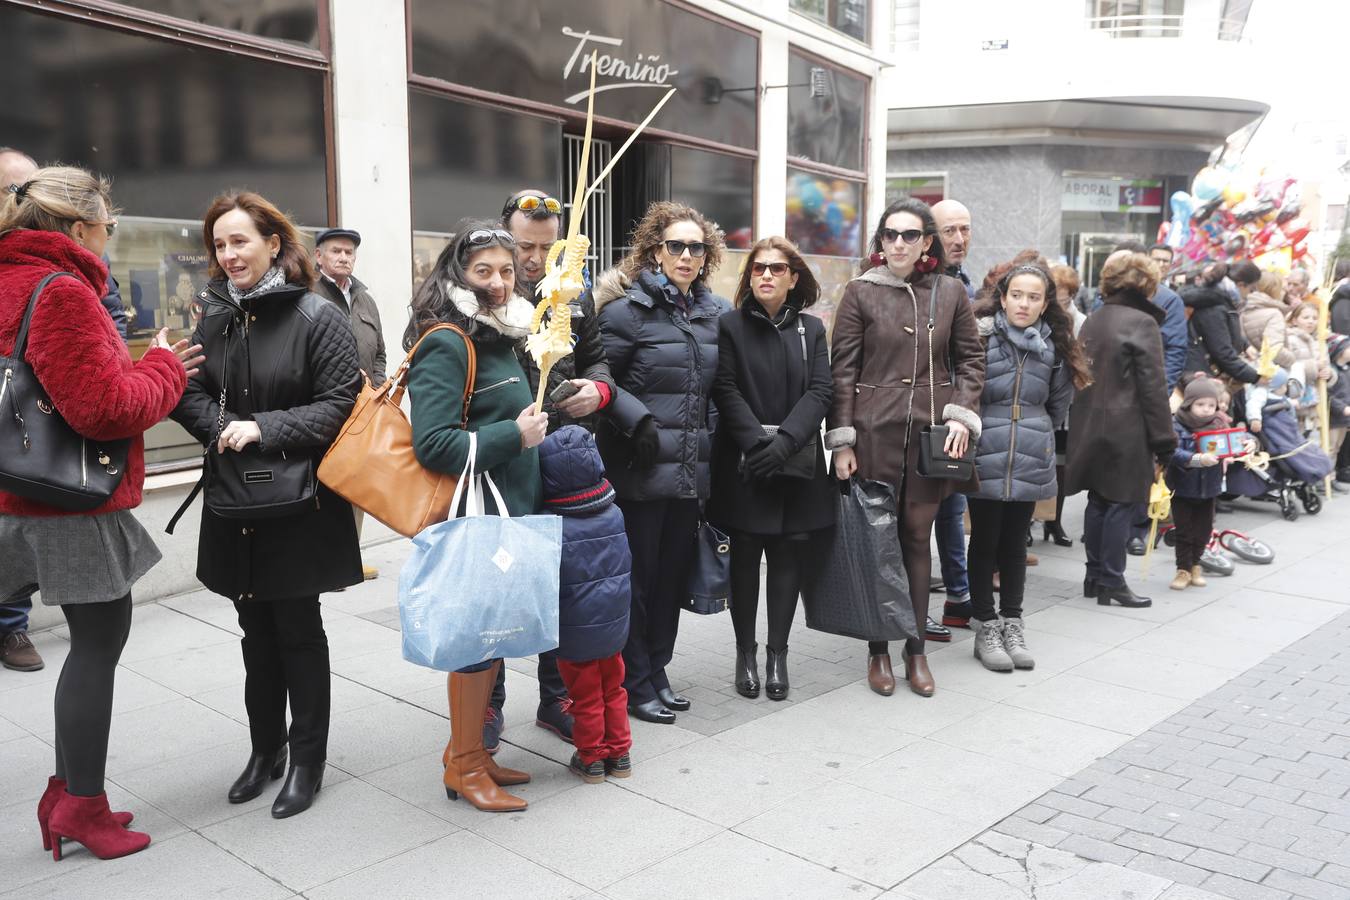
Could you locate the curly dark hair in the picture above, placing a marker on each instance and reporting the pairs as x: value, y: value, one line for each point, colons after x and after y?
x: 802, y: 295
x: 651, y: 231
x: 924, y: 214
x: 1067, y: 348
x: 431, y: 303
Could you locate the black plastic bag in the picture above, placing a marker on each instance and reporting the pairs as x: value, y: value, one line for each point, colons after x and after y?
x: 860, y: 588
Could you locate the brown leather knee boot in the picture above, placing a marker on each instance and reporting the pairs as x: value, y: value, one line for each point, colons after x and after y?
x: 466, y: 771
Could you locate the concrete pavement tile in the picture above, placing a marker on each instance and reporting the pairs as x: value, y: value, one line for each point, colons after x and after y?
x: 720, y: 782
x: 1308, y: 610
x: 184, y: 866
x: 31, y: 707
x: 548, y: 833
x: 388, y: 673
x: 346, y: 695
x: 210, y: 608
x: 833, y: 733
x: 1031, y: 739
x: 948, y: 880
x: 167, y: 731
x: 1186, y: 892
x: 1155, y: 674
x: 25, y: 861
x: 1206, y: 647
x: 905, y: 711
x: 53, y: 648
x: 1322, y: 577
x: 27, y: 763
x: 860, y: 833
x: 1087, y: 624
x: 350, y: 827
x: 462, y: 865
x: 155, y: 628
x: 194, y: 671
x: 731, y: 867
x: 192, y: 788
x: 956, y: 669
x: 350, y: 636
x: 10, y: 731
x: 1166, y: 609
x: 1096, y: 703
x: 418, y: 781
x: 1057, y: 880
x: 381, y: 734
x: 920, y: 773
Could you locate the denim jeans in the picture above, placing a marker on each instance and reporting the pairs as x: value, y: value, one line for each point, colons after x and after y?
x: 14, y: 614
x: 951, y: 540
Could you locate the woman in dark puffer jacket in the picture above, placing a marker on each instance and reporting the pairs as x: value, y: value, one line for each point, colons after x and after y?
x: 659, y: 322
x: 1032, y: 364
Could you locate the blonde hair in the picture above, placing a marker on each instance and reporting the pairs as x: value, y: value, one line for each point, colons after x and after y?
x: 1271, y: 284
x: 54, y: 199
x: 1129, y: 273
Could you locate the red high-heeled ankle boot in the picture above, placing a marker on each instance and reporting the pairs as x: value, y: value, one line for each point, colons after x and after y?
x: 89, y: 821
x: 49, y: 797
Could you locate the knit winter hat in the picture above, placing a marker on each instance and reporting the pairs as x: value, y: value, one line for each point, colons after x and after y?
x: 583, y: 502
x: 1337, y: 343
x: 1200, y: 389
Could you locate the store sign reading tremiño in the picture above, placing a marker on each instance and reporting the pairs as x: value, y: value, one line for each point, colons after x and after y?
x: 644, y: 71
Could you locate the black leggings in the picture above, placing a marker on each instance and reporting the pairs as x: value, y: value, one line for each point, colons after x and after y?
x: 998, y: 540
x: 783, y: 584
x: 84, y: 692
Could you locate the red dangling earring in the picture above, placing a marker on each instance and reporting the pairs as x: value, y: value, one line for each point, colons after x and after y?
x: 876, y: 259
x: 926, y: 264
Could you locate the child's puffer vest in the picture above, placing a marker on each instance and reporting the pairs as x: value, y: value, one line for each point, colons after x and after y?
x: 594, y: 593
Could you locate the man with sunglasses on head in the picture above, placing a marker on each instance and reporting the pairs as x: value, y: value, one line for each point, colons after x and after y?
x: 534, y: 219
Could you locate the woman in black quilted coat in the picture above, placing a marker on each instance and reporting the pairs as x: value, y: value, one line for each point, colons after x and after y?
x: 292, y: 381
x: 658, y: 319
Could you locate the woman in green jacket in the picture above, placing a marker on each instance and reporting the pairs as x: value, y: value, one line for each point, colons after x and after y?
x: 473, y: 286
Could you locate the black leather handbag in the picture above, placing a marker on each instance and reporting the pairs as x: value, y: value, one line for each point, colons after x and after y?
x: 41, y: 457
x: 934, y: 460
x: 710, y: 577
x: 251, y: 484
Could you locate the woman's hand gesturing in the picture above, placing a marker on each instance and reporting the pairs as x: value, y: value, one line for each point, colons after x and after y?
x: 190, y: 356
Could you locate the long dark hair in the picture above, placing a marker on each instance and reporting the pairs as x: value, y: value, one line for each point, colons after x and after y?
x: 293, y: 258
x: 431, y: 304
x: 801, y: 295
x: 920, y: 210
x: 1067, y: 348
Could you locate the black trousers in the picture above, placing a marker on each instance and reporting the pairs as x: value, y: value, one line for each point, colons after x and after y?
x: 1106, y: 528
x: 998, y: 540
x: 84, y: 692
x: 783, y: 584
x: 551, y: 687
x: 286, y: 658
x: 661, y: 535
x: 1194, y: 521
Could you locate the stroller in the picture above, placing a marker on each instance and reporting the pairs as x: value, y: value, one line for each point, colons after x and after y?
x: 1296, y: 476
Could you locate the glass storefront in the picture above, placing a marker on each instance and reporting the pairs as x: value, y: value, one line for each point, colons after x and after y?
x: 848, y: 16
x: 824, y: 214
x: 296, y: 21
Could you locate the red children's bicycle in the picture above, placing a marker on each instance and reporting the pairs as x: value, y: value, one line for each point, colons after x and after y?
x: 1213, y: 559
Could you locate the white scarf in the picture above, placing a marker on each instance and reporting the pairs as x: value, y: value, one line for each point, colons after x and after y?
x: 511, y: 320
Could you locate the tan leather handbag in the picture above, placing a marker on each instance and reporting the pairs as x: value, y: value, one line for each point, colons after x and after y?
x: 372, y: 464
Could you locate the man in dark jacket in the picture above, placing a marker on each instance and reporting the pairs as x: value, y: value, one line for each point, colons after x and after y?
x: 1217, y: 340
x: 535, y: 221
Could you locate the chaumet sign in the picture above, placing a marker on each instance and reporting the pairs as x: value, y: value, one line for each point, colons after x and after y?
x: 644, y: 71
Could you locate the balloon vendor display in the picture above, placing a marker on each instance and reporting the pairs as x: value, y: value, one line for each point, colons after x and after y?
x: 1231, y: 216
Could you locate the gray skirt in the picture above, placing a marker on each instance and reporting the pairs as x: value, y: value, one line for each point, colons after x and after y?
x: 74, y: 559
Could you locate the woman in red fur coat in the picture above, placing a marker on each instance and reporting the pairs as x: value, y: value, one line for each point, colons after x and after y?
x: 59, y: 221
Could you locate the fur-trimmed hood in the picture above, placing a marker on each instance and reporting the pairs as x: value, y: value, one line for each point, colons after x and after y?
x: 610, y: 285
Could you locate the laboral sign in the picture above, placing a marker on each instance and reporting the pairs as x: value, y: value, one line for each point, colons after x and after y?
x: 1119, y: 195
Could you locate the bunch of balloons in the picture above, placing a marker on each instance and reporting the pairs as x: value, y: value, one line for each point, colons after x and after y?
x: 1228, y: 216
x: 822, y: 215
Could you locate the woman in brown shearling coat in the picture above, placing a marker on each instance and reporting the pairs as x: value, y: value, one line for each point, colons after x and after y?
x: 882, y: 385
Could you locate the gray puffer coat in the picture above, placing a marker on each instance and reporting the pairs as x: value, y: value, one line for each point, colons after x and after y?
x: 1027, y: 391
x: 663, y: 359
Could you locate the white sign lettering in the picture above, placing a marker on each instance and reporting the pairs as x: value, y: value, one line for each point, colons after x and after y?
x: 645, y: 70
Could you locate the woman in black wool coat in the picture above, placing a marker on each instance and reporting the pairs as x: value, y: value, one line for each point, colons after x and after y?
x: 771, y: 490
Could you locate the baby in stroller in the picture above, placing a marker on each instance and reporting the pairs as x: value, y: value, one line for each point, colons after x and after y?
x: 1297, y: 466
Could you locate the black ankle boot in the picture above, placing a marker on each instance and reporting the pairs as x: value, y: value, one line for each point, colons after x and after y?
x: 1122, y: 595
x: 297, y: 793
x: 260, y: 768
x: 775, y: 673
x: 1053, y: 531
x: 747, y: 671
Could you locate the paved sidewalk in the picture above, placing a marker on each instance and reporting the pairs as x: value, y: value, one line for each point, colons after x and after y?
x: 836, y: 792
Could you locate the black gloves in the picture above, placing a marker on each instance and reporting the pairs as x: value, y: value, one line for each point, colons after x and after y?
x: 766, y: 460
x: 645, y: 444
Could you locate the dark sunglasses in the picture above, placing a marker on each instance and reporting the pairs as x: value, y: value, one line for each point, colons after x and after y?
x: 530, y: 204
x: 777, y: 270
x: 677, y: 248
x: 909, y: 236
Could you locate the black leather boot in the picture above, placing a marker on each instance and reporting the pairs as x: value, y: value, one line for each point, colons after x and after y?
x: 775, y: 673
x: 297, y: 793
x: 261, y: 768
x: 1122, y: 595
x: 747, y: 671
x: 1089, y: 587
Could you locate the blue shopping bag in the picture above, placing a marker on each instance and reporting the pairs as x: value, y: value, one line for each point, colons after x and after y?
x: 479, y: 587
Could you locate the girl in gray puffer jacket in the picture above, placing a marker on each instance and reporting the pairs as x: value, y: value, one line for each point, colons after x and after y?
x: 1032, y: 363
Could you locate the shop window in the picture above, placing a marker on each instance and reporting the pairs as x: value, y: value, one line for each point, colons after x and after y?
x: 1137, y: 18
x: 905, y: 25
x: 824, y: 214
x: 848, y: 16
x: 99, y: 98
x: 930, y: 188
x: 719, y: 186
x: 296, y: 21
x: 827, y: 109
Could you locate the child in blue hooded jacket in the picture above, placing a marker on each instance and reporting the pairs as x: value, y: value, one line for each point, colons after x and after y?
x: 593, y: 601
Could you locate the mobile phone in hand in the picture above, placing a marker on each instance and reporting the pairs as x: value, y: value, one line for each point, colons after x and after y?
x: 562, y: 392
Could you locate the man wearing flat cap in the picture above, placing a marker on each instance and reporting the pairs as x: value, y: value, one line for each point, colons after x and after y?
x: 335, y: 254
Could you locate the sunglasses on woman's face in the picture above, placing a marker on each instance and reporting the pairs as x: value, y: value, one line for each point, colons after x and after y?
x: 777, y: 270
x: 677, y: 248
x: 909, y: 235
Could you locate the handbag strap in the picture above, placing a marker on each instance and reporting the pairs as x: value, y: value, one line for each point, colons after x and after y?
x: 395, y: 387
x: 932, y: 380
x: 21, y: 341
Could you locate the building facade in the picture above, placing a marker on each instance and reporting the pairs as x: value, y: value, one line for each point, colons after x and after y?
x: 399, y: 117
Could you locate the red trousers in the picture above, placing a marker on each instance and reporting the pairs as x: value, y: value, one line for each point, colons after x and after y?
x: 599, y: 707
